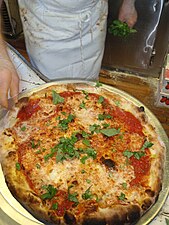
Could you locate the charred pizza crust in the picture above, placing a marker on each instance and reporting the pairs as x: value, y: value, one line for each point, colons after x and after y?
x: 81, y: 114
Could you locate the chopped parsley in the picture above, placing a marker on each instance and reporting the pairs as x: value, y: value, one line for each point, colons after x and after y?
x: 23, y: 128
x: 88, y: 181
x: 83, y: 171
x: 124, y: 185
x: 86, y: 142
x: 51, y: 154
x: 50, y: 192
x: 95, y: 128
x: 38, y: 166
x: 18, y: 166
x: 90, y: 153
x: 73, y: 196
x: 86, y: 94
x: 120, y: 29
x: 55, y: 206
x: 83, y: 105
x: 105, y: 125
x: 98, y: 84
x: 35, y: 145
x: 84, y: 134
x: 104, y: 116
x: 87, y: 194
x: 122, y: 197
x: 84, y: 158
x: 66, y: 149
x: 63, y: 124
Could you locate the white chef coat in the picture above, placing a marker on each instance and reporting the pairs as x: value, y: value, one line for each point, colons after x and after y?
x: 65, y: 38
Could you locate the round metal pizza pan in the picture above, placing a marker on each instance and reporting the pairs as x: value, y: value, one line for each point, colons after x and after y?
x: 14, y: 214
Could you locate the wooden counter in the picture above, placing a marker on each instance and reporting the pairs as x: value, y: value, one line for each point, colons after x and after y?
x: 144, y: 89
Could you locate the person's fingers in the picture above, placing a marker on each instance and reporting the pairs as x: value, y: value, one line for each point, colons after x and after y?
x: 5, y: 81
x: 132, y: 20
x: 14, y: 87
x: 128, y: 14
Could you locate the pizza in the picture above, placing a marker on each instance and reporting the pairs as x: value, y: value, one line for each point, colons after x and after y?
x: 79, y: 153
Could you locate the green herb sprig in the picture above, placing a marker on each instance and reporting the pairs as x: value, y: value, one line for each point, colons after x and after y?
x: 50, y: 192
x: 120, y: 29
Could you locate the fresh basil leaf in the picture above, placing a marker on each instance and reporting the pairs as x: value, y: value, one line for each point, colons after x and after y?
x: 146, y: 144
x: 139, y: 154
x: 101, y: 99
x: 110, y: 132
x: 57, y: 98
x: 128, y: 154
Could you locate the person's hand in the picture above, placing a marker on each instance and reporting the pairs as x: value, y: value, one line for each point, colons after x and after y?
x: 9, y: 81
x: 128, y: 13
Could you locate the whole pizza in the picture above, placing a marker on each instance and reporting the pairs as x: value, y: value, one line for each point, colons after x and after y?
x: 76, y: 153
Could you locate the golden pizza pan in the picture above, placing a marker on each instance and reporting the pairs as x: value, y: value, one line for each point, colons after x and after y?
x: 12, y: 213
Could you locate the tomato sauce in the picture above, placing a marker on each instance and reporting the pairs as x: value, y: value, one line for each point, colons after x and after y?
x: 130, y: 121
x: 141, y: 168
x: 67, y: 94
x: 63, y: 202
x: 28, y: 110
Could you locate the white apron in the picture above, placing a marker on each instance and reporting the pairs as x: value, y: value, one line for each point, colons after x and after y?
x: 65, y: 38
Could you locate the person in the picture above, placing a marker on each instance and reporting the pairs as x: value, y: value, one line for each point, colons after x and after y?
x: 63, y: 40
